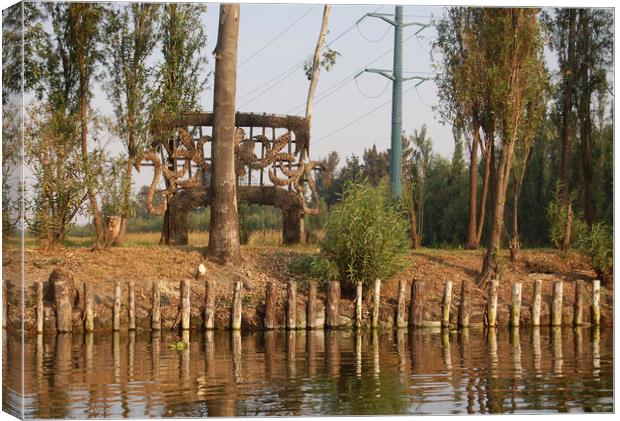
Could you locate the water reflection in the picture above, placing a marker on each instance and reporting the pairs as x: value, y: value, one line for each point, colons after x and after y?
x: 308, y: 373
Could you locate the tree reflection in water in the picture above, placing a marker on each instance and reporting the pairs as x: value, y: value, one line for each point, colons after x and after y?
x: 310, y: 372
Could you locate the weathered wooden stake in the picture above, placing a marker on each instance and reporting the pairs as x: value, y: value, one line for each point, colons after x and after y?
x: 333, y: 304
x: 596, y: 302
x: 156, y: 307
x: 131, y: 307
x: 291, y: 305
x: 416, y: 313
x: 401, y: 310
x: 556, y: 305
x: 310, y: 306
x: 89, y: 317
x: 578, y: 307
x: 464, y: 309
x: 358, y: 305
x: 491, y: 310
x: 209, y: 316
x: 536, y: 302
x: 376, y: 300
x: 270, y: 306
x: 515, y: 308
x: 39, y: 312
x: 186, y: 287
x: 64, y: 310
x: 116, y: 311
x: 236, y: 306
x: 445, y: 304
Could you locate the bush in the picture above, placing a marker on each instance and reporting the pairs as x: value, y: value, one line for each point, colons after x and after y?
x: 597, y: 246
x: 315, y: 267
x: 365, y: 236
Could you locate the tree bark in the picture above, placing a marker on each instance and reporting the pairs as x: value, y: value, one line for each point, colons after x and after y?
x: 270, y: 306
x: 224, y: 232
x: 332, y: 318
x: 310, y: 306
x: 473, y: 188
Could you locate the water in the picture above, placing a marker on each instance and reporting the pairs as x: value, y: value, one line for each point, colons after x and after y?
x: 310, y: 373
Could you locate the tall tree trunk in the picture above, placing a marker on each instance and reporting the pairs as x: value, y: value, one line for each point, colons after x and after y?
x: 120, y: 238
x: 224, y: 232
x: 515, y: 243
x: 489, y: 265
x: 316, y: 63
x: 92, y: 197
x: 585, y: 118
x: 473, y: 188
x: 567, y: 109
x: 488, y: 163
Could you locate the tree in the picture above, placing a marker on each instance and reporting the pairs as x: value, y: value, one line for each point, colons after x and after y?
x: 224, y: 231
x: 181, y: 77
x: 594, y: 54
x: 465, y: 100
x: 512, y: 42
x: 131, y: 32
x: 83, y: 37
x: 416, y: 170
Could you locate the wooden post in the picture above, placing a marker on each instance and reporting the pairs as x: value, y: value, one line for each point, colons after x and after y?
x: 376, y: 300
x: 64, y: 310
x: 270, y: 306
x: 39, y: 312
x: 358, y: 305
x: 445, y: 304
x: 596, y: 302
x: 333, y: 304
x: 416, y: 313
x: 491, y: 310
x: 310, y: 306
x: 89, y: 317
x: 464, y: 309
x: 556, y: 305
x: 401, y: 310
x: 236, y: 306
x: 116, y: 311
x: 209, y: 305
x: 5, y: 303
x: 578, y: 307
x: 186, y: 286
x: 536, y: 302
x: 156, y: 307
x: 515, y: 308
x: 131, y: 305
x: 291, y: 305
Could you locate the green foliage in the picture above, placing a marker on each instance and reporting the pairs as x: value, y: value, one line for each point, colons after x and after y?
x: 365, y: 236
x: 328, y: 61
x: 314, y: 267
x: 557, y: 214
x: 597, y: 246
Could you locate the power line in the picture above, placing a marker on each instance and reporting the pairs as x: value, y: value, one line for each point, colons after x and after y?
x: 287, y: 73
x: 343, y: 82
x: 339, y: 129
x: 288, y: 28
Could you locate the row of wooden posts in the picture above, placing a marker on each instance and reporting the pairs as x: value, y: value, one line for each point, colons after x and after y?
x: 404, y: 317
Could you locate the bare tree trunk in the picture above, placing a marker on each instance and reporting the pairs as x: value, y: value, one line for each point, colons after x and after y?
x: 485, y: 186
x: 489, y: 265
x: 224, y: 232
x: 473, y: 189
x: 515, y: 243
x: 94, y: 206
x: 316, y: 60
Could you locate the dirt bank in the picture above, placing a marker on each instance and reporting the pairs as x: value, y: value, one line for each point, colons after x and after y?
x: 264, y: 264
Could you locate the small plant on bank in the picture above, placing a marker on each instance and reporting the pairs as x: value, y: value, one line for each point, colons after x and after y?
x: 597, y: 246
x: 315, y: 267
x: 365, y: 236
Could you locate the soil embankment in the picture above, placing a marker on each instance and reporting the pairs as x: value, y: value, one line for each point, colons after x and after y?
x: 260, y: 265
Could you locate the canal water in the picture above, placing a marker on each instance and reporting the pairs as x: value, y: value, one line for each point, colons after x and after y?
x: 309, y: 373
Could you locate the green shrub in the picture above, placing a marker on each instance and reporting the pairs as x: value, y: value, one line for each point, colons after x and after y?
x: 597, y: 246
x: 365, y: 236
x: 314, y: 267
